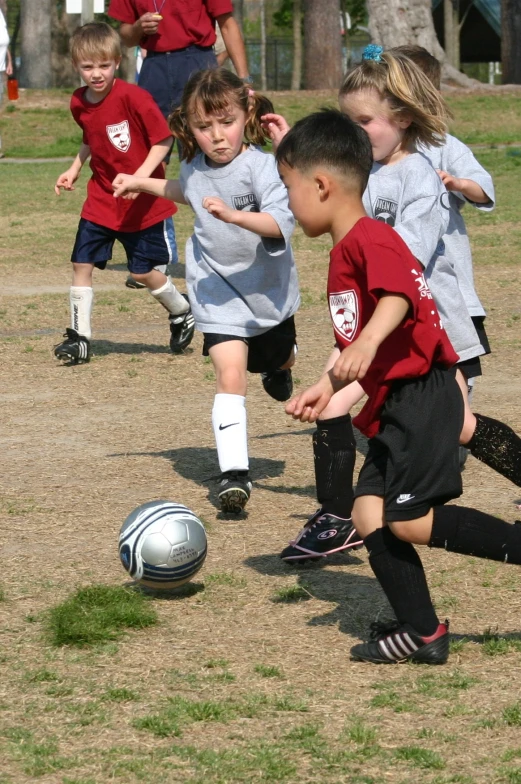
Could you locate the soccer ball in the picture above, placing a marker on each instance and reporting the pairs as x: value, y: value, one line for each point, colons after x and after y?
x: 162, y: 544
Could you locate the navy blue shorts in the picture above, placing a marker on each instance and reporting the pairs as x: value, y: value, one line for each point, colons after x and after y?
x: 148, y: 249
x: 164, y: 74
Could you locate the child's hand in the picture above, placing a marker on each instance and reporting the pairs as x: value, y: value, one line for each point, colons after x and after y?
x: 309, y: 404
x: 450, y: 182
x: 219, y: 209
x: 66, y: 181
x: 354, y: 361
x: 126, y: 186
x: 276, y: 127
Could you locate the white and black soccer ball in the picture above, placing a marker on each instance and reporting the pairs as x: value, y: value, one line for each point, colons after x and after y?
x: 162, y: 544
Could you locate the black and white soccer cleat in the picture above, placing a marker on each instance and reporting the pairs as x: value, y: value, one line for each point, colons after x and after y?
x: 75, y: 349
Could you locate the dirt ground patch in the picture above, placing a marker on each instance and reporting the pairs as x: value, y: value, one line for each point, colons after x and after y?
x: 277, y: 697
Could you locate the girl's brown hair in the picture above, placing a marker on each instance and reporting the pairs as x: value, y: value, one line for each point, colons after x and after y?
x: 213, y: 92
x: 408, y: 91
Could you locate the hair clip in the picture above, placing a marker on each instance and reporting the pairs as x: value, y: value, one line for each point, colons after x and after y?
x: 373, y: 52
x: 251, y: 92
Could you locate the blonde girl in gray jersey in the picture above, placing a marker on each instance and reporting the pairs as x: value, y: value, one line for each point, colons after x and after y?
x: 240, y: 272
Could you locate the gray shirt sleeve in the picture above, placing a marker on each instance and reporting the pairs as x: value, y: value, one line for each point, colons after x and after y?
x: 272, y: 199
x: 424, y: 215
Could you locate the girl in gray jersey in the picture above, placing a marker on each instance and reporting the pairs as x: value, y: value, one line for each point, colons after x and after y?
x: 240, y: 271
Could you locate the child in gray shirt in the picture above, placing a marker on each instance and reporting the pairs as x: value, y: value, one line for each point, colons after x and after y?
x: 240, y: 271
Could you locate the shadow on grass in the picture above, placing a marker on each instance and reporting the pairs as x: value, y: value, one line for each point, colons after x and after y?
x: 358, y: 598
x: 200, y: 465
x: 167, y: 594
x: 102, y: 348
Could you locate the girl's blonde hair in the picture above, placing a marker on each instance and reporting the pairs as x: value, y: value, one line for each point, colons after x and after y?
x: 408, y: 91
x: 95, y: 40
x: 213, y: 92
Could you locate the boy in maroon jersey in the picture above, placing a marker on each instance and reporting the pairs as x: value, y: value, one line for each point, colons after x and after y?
x: 123, y: 131
x: 393, y: 344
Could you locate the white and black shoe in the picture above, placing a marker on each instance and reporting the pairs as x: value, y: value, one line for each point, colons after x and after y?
x: 75, y: 349
x: 392, y: 642
x: 234, y: 491
x: 182, y: 329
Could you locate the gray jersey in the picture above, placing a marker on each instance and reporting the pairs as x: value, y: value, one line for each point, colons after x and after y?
x: 455, y: 158
x: 410, y: 196
x: 239, y: 283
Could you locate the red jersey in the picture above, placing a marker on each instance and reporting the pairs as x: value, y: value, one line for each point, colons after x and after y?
x: 370, y: 260
x: 120, y: 130
x: 185, y: 22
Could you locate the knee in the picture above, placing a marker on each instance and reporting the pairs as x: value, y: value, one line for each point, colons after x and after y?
x: 231, y: 381
x: 141, y: 277
x: 469, y: 426
x: 406, y: 530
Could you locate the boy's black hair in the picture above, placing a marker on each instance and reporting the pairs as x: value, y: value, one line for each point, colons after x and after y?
x: 328, y: 138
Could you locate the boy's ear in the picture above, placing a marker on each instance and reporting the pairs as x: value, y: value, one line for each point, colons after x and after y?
x: 323, y: 185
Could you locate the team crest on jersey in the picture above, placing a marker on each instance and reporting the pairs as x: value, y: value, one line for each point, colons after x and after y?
x: 246, y: 202
x: 119, y: 135
x: 344, y: 313
x: 385, y: 211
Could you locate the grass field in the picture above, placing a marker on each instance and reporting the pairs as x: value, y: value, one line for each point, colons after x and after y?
x: 242, y: 676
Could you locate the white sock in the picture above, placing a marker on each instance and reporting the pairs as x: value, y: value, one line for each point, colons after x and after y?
x: 81, y: 298
x: 171, y: 299
x: 229, y: 427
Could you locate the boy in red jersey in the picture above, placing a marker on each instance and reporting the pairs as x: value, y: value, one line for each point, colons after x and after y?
x: 392, y: 342
x: 123, y: 131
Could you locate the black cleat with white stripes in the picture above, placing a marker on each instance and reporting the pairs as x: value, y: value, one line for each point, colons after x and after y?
x: 392, y: 642
x: 75, y: 349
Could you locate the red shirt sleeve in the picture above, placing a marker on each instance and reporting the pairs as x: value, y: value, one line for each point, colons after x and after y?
x: 147, y: 113
x: 389, y: 269
x: 123, y: 10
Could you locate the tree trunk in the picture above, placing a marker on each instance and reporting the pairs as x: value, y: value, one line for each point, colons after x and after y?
x: 511, y: 41
x: 263, y: 72
x: 296, y: 73
x: 238, y: 12
x: 63, y: 26
x: 323, y: 44
x: 399, y: 22
x: 35, y: 29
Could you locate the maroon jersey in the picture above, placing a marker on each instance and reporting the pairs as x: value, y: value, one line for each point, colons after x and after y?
x: 372, y: 259
x: 184, y: 23
x: 120, y: 130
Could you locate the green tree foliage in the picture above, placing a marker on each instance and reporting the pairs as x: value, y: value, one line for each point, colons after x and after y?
x: 283, y: 18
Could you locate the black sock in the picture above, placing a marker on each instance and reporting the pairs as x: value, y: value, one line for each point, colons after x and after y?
x: 459, y: 529
x: 496, y: 445
x: 398, y: 569
x: 334, y: 450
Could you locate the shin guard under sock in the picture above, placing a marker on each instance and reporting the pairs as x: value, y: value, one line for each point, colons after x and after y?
x: 81, y: 299
x: 334, y: 451
x: 170, y: 298
x: 229, y: 427
x: 399, y: 570
x: 496, y: 445
x: 459, y: 529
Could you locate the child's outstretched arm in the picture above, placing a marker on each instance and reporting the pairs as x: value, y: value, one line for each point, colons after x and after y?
x: 155, y: 157
x: 468, y: 188
x: 126, y: 185
x: 261, y: 223
x: 276, y: 126
x: 68, y: 178
x: 354, y: 361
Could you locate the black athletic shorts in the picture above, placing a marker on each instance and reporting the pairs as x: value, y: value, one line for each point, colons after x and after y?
x: 413, y: 461
x: 266, y: 352
x: 479, y: 326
